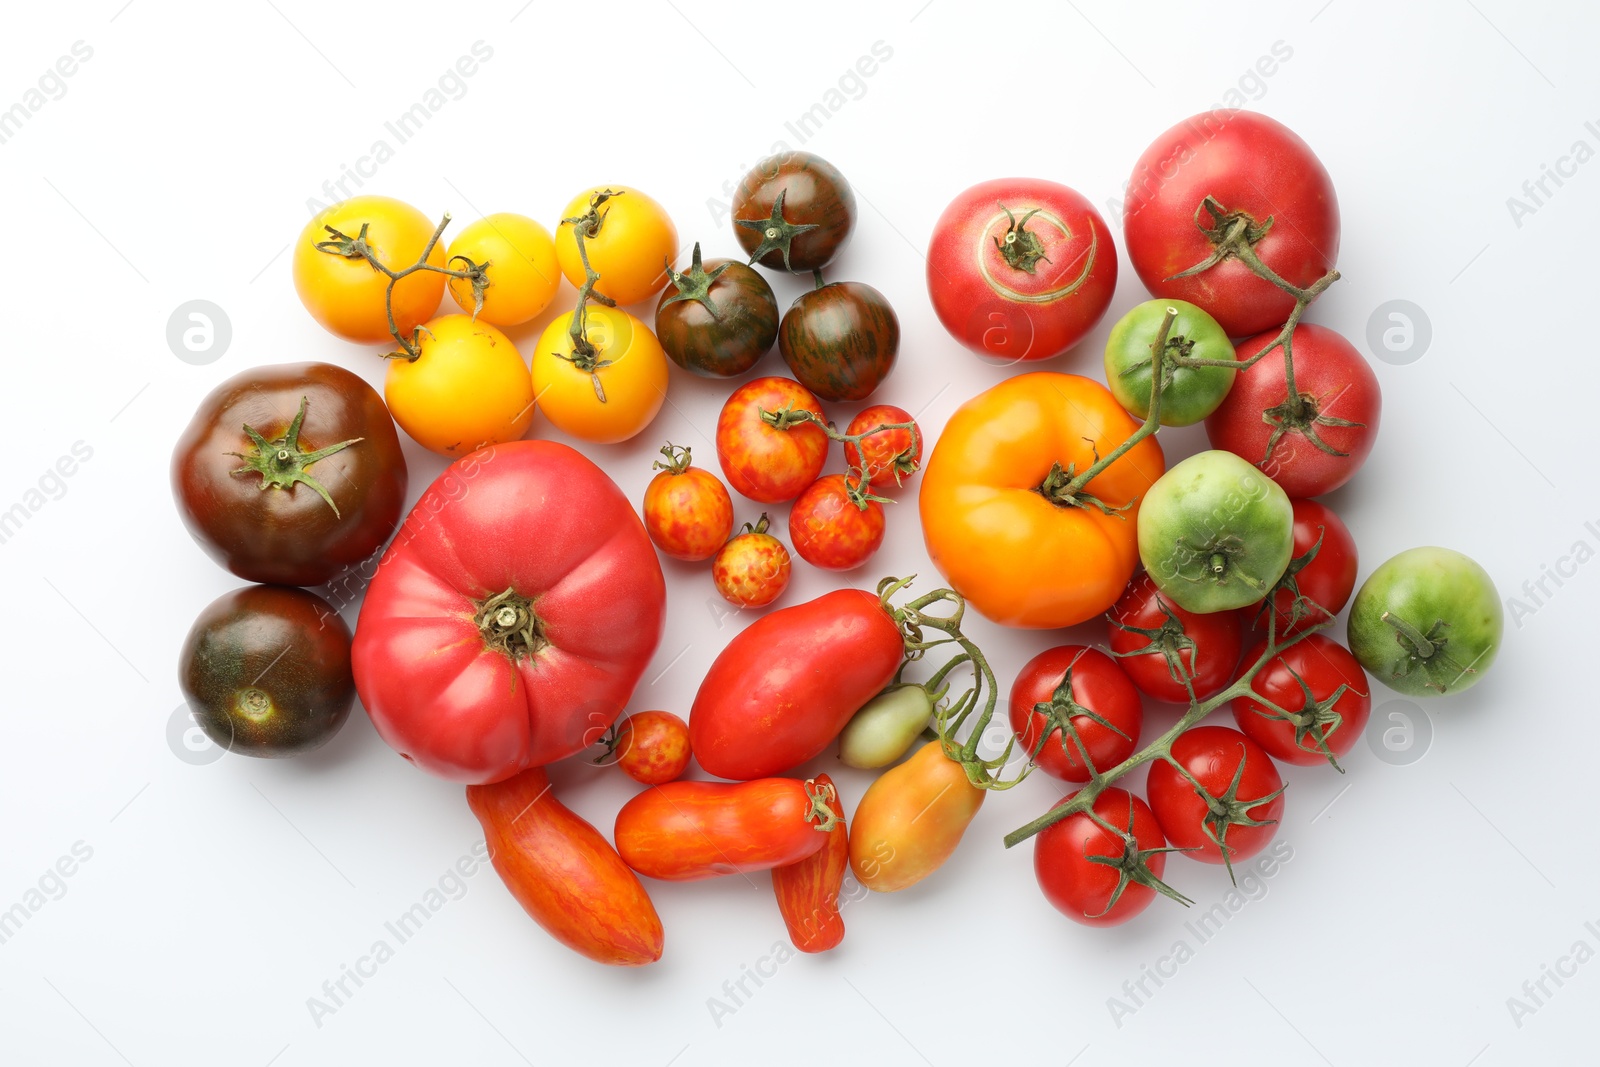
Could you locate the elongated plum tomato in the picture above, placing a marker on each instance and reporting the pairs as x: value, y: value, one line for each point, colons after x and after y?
x: 911, y: 819
x: 518, y: 258
x: 1020, y: 269
x: 1225, y: 179
x: 346, y: 293
x: 886, y: 727
x: 889, y: 457
x: 808, y: 891
x: 687, y: 831
x: 653, y: 747
x: 997, y: 516
x: 765, y: 456
x: 629, y: 246
x: 1084, y: 687
x: 1159, y: 644
x: 608, y: 394
x: 781, y: 690
x: 829, y: 529
x: 469, y: 388
x: 1243, y: 801
x: 1092, y: 891
x: 687, y: 512
x: 752, y: 569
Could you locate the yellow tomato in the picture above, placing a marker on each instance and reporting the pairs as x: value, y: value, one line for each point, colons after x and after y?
x: 469, y: 388
x: 628, y: 364
x: 630, y: 248
x: 346, y: 295
x: 521, y: 268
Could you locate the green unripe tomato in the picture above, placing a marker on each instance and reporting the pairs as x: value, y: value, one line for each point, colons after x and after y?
x: 1427, y: 622
x: 1191, y: 393
x: 886, y: 728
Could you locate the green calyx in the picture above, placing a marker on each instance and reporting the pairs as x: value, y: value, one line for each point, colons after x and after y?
x: 1133, y: 865
x: 777, y: 233
x: 694, y: 284
x: 1020, y: 247
x: 1059, y: 712
x: 282, y: 464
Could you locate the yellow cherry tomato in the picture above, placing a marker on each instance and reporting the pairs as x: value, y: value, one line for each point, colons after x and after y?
x: 521, y: 268
x: 345, y: 294
x: 629, y: 249
x: 469, y: 388
x: 628, y: 365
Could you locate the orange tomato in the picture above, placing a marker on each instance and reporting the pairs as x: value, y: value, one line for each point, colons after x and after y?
x: 911, y: 819
x: 687, y: 510
x: 1018, y: 557
x: 469, y: 388
x: 521, y: 268
x: 630, y: 248
x: 629, y: 366
x: 346, y: 295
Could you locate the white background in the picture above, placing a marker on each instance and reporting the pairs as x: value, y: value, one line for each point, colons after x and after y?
x: 220, y: 895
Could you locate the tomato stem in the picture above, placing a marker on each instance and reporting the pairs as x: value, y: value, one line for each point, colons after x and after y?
x: 584, y: 355
x: 678, y: 459
x: 856, y: 478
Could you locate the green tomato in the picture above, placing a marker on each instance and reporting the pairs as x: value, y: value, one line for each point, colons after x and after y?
x: 1191, y: 393
x: 1427, y: 622
x: 883, y: 730
x: 1215, y: 533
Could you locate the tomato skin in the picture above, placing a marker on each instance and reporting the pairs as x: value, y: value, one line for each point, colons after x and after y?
x: 290, y: 536
x: 729, y: 343
x: 1097, y: 684
x: 1218, y: 638
x: 1327, y: 369
x: 635, y: 242
x: 1325, y: 665
x: 752, y: 569
x: 469, y: 388
x: 814, y: 194
x: 1080, y: 889
x: 886, y: 458
x: 1003, y: 311
x: 1016, y: 557
x: 540, y: 520
x: 566, y: 876
x: 689, y: 831
x: 634, y: 381
x: 688, y: 513
x: 653, y: 747
x: 1442, y: 595
x: 829, y: 531
x: 784, y: 687
x: 1326, y: 582
x: 1213, y: 754
x: 911, y: 819
x: 761, y: 462
x: 840, y: 341
x: 808, y: 891
x: 1250, y: 163
x: 521, y: 268
x: 347, y: 295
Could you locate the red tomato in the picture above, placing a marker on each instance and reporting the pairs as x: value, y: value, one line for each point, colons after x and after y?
x: 1256, y: 171
x: 1303, y: 681
x: 832, y: 531
x: 652, y: 747
x: 687, y: 831
x: 1020, y: 268
x: 1157, y: 642
x: 1243, y: 799
x: 887, y: 458
x: 687, y: 512
x: 1320, y: 588
x: 752, y: 569
x: 761, y: 461
x: 1102, y: 894
x: 1083, y: 686
x: 808, y: 891
x: 784, y: 687
x: 1317, y: 443
x: 512, y: 615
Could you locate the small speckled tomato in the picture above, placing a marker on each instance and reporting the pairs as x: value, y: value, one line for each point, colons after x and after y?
x: 887, y: 458
x: 687, y: 512
x: 765, y: 454
x: 835, y: 526
x: 652, y: 747
x: 752, y: 569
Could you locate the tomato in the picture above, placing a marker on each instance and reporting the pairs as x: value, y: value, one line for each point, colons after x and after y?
x: 266, y: 671
x: 687, y: 831
x: 1316, y: 443
x: 760, y: 460
x: 1237, y: 815
x: 512, y: 616
x: 566, y: 876
x: 808, y: 891
x: 1083, y: 687
x: 911, y: 819
x: 782, y: 689
x: 793, y: 212
x: 290, y: 474
x: 840, y: 340
x: 687, y: 511
x: 1427, y: 622
x: 609, y: 394
x: 630, y: 245
x: 1325, y: 693
x: 1274, y: 197
x: 718, y: 318
x: 885, y: 458
x: 468, y: 388
x: 752, y: 569
x: 835, y: 527
x: 1214, y: 533
x: 346, y: 293
x: 1158, y: 643
x: 1020, y: 557
x: 1190, y: 393
x: 1321, y: 574
x: 1065, y: 856
x: 886, y: 727
x: 1020, y: 268
x: 518, y: 259
x: 653, y: 747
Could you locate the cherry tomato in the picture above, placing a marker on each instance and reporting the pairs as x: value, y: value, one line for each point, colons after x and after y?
x: 1158, y: 643
x: 752, y: 569
x: 1082, y: 686
x: 840, y: 340
x: 760, y: 460
x: 629, y: 245
x: 1099, y: 893
x: 346, y: 293
x: 1325, y: 693
x: 687, y: 511
x: 911, y: 819
x: 1239, y: 812
x: 469, y: 388
x: 793, y: 212
x: 808, y: 891
x: 717, y: 318
x: 835, y: 527
x: 652, y: 747
x: 687, y: 831
x: 520, y: 273
x: 888, y: 458
x: 609, y: 394
x: 1313, y: 590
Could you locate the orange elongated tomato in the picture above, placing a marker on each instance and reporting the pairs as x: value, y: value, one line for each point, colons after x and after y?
x: 1017, y: 555
x: 564, y: 874
x: 911, y: 819
x: 808, y: 891
x: 687, y: 831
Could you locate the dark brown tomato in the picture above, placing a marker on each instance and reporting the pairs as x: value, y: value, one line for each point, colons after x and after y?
x: 793, y: 212
x: 266, y: 671
x: 718, y: 318
x: 840, y: 340
x: 290, y: 474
